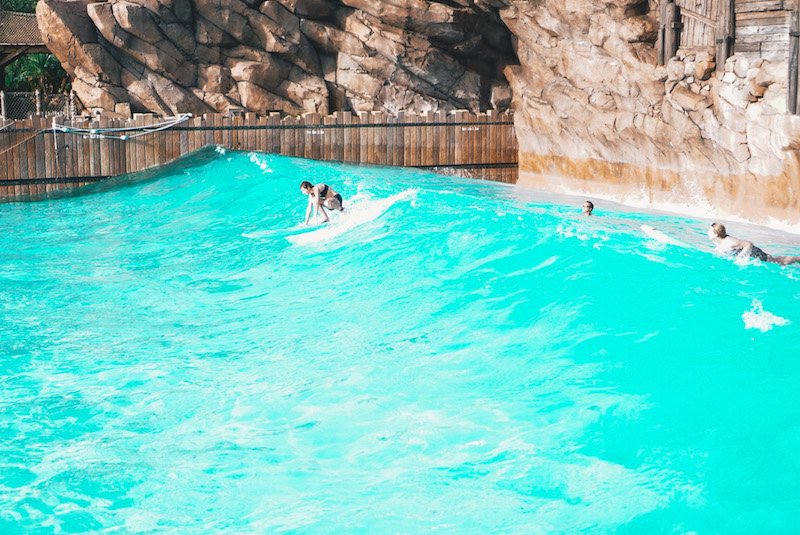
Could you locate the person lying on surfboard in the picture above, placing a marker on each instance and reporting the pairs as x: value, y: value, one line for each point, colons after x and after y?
x: 320, y: 196
x: 727, y: 244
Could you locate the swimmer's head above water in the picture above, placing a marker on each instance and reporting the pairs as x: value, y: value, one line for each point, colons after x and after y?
x: 588, y: 206
x: 717, y: 231
x: 305, y: 187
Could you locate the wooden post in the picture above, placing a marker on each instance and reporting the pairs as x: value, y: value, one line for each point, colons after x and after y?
x: 794, y: 53
x: 726, y: 32
x: 662, y: 33
x: 38, y: 95
x: 3, y: 113
x: 672, y: 32
x: 73, y: 108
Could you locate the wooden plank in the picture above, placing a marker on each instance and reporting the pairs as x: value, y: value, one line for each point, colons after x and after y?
x: 262, y: 133
x: 248, y: 137
x: 273, y: 134
x: 758, y: 6
x: 173, y: 143
x: 30, y: 149
x: 75, y: 142
x: 284, y: 141
x: 418, y: 132
x: 6, y: 169
x: 770, y: 18
x: 20, y: 164
x: 49, y: 152
x: 122, y: 152
x: 328, y: 138
x: 289, y: 135
x: 67, y: 142
x: 399, y: 139
x: 363, y: 140
x: 355, y: 137
x: 183, y: 137
x: 337, y: 137
x: 215, y: 132
x: 378, y: 141
x: 103, y: 150
x: 368, y: 134
x: 150, y: 141
x: 136, y: 149
x: 390, y: 139
x: 408, y: 138
x: 347, y: 136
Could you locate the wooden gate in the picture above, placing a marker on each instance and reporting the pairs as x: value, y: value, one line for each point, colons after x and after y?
x: 699, y: 23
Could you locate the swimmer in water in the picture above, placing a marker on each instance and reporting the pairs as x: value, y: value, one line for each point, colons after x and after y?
x: 320, y: 196
x: 727, y: 244
x: 588, y: 206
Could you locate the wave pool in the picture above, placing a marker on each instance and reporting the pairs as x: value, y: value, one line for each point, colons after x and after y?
x: 181, y: 355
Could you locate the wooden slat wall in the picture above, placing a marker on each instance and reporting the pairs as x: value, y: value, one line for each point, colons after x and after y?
x: 696, y: 33
x: 34, y: 160
x: 762, y: 29
x: 762, y: 26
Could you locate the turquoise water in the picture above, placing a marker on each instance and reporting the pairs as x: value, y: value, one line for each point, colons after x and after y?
x: 180, y: 355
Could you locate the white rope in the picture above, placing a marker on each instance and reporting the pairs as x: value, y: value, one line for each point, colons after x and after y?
x: 106, y: 133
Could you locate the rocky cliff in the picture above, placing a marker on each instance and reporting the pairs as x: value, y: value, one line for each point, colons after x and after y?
x: 169, y: 56
x: 595, y: 114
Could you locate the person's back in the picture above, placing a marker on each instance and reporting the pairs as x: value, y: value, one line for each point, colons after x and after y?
x: 727, y: 244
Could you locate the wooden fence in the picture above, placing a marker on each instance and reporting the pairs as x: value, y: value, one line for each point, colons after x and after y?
x: 751, y: 28
x: 35, y: 159
x: 762, y: 28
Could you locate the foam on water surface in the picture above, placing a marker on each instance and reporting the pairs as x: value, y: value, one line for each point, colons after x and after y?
x: 183, y: 355
x: 758, y: 318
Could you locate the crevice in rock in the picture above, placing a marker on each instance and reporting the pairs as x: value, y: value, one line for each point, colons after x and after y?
x: 358, y: 55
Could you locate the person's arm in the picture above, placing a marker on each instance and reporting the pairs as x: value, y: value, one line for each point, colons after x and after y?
x: 747, y: 249
x: 308, y: 208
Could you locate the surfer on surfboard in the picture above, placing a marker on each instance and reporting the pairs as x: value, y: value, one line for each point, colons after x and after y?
x: 320, y: 196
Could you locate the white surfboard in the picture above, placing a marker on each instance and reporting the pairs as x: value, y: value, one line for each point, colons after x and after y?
x: 354, y: 215
x: 660, y: 236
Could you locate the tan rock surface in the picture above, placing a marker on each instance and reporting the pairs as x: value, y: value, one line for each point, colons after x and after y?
x: 293, y: 56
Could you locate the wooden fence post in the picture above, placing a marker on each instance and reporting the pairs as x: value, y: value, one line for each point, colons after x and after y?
x: 38, y: 97
x: 73, y: 109
x: 794, y: 53
x: 672, y: 31
x: 662, y: 34
x: 726, y: 32
x: 3, y: 112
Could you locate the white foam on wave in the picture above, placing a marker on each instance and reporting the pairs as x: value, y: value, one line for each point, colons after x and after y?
x: 261, y: 162
x: 359, y: 211
x: 758, y: 318
x: 219, y: 149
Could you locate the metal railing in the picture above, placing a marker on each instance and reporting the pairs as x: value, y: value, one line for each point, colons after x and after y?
x: 16, y: 105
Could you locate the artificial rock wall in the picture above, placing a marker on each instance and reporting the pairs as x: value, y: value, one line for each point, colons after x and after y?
x: 596, y: 116
x: 293, y: 56
x: 594, y: 113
